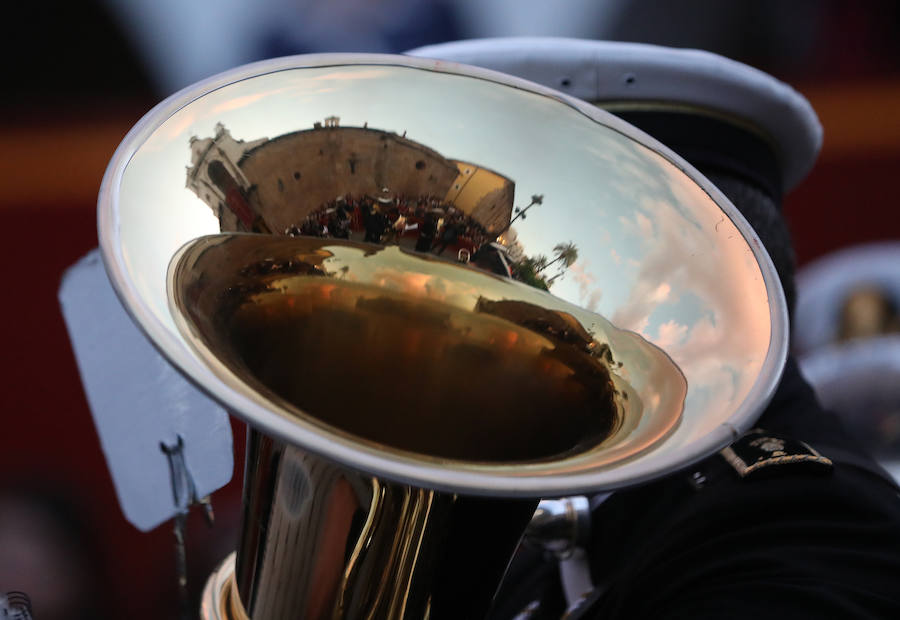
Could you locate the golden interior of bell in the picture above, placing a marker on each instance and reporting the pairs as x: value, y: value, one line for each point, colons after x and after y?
x: 496, y: 381
x: 421, y: 376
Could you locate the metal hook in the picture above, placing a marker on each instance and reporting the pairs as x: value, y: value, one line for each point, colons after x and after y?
x: 184, y: 492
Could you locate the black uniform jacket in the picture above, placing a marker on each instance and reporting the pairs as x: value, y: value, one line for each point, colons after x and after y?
x: 792, y: 542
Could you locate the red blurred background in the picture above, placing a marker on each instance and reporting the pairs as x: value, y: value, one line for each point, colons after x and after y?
x: 75, y: 90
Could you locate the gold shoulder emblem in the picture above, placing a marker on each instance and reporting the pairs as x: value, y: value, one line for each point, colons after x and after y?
x: 760, y: 452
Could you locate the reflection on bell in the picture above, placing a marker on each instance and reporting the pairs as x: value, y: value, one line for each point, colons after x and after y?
x: 408, y: 408
x: 499, y: 381
x: 406, y: 352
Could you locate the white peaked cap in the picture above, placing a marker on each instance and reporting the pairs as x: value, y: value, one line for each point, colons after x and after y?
x: 635, y: 75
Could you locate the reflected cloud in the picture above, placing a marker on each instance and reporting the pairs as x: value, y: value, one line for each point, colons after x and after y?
x: 671, y: 334
x: 242, y: 102
x: 721, y: 349
x: 615, y: 256
x: 179, y: 125
x: 589, y: 292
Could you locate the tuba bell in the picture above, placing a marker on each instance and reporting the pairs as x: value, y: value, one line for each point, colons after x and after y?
x: 436, y: 294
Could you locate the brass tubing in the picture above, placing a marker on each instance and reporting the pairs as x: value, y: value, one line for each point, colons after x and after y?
x: 321, y: 541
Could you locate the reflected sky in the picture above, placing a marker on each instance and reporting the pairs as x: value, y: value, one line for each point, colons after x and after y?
x: 656, y: 254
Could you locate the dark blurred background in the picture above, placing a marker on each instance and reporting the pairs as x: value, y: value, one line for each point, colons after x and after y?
x: 80, y: 74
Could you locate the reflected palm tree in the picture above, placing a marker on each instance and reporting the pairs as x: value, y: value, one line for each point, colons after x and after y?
x: 530, y: 269
x: 536, y: 199
x: 538, y: 263
x: 565, y: 252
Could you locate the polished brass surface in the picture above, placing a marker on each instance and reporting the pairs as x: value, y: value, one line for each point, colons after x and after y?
x: 323, y: 541
x: 427, y: 287
x: 218, y: 600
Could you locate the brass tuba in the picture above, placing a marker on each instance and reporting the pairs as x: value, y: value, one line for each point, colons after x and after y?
x: 436, y: 294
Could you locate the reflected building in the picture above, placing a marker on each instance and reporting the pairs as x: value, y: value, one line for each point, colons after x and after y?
x: 217, y: 179
x: 269, y: 185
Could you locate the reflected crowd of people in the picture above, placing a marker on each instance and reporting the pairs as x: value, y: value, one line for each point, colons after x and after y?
x: 426, y: 223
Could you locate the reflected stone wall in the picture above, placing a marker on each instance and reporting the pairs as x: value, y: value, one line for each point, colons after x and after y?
x: 284, y: 179
x: 296, y: 173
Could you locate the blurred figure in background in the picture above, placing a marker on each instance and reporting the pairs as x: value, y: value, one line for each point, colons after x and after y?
x: 48, y: 551
x: 868, y: 312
